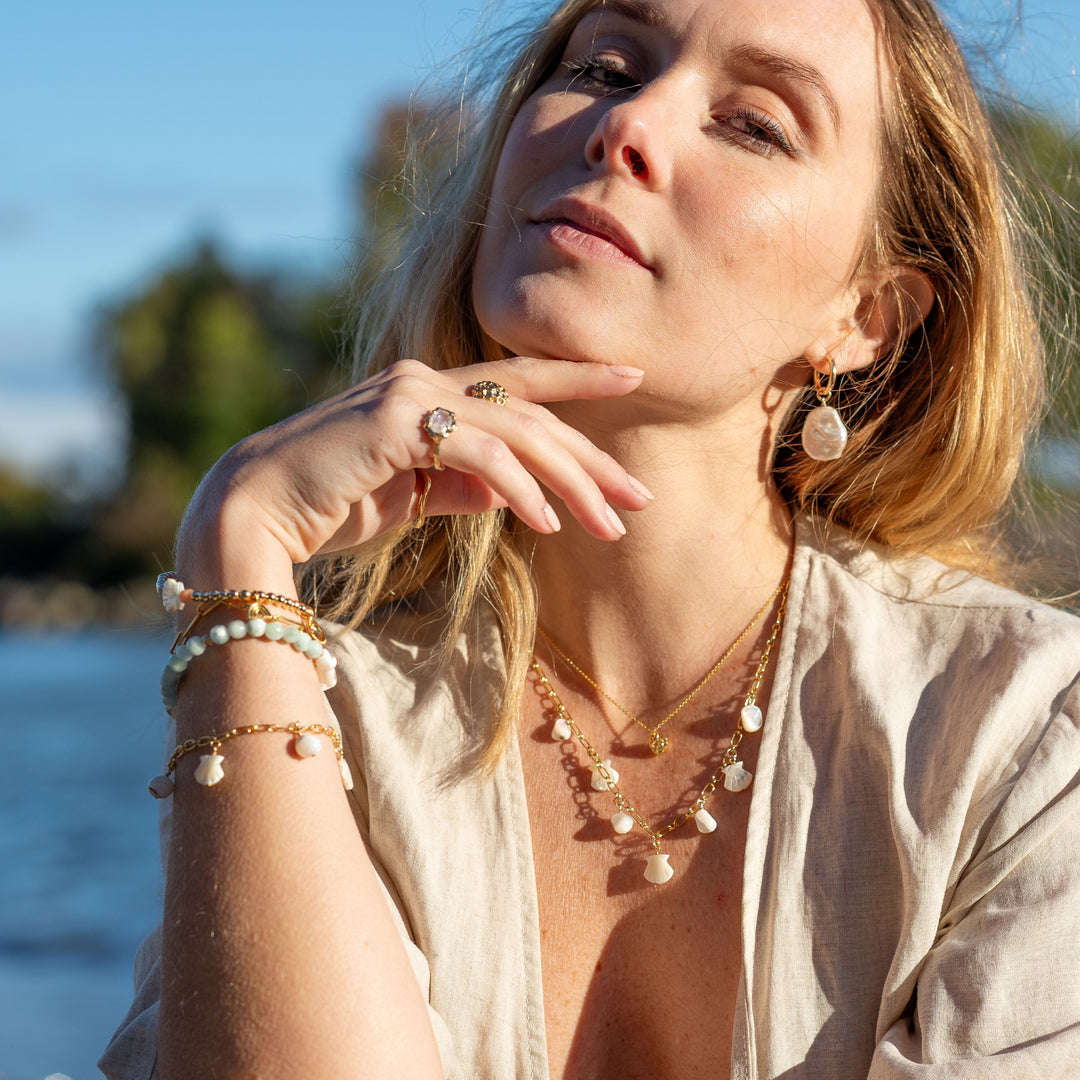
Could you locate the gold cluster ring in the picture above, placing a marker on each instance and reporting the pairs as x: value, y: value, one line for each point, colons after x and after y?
x: 490, y: 391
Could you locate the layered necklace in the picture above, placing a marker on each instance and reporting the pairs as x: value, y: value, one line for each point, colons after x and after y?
x: 604, y: 776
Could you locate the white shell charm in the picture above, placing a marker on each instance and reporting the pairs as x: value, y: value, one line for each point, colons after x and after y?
x: 161, y: 787
x: 560, y: 730
x: 824, y: 435
x: 736, y: 778
x: 599, y: 783
x: 307, y: 745
x: 209, y: 771
x: 169, y: 590
x: 657, y: 870
x: 621, y: 822
x: 346, y: 774
x: 326, y: 669
x: 704, y: 821
x: 751, y: 718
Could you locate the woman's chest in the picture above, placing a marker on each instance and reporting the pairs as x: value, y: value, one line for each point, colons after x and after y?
x: 639, y: 980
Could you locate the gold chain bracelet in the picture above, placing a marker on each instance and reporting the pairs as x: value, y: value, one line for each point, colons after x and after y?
x: 210, y: 772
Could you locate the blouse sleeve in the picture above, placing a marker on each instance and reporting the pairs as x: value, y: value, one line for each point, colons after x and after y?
x: 998, y: 995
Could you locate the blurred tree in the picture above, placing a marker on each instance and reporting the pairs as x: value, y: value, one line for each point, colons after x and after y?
x: 1044, y: 157
x: 35, y: 527
x: 203, y: 356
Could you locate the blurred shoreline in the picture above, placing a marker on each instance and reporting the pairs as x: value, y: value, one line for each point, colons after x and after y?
x: 71, y: 606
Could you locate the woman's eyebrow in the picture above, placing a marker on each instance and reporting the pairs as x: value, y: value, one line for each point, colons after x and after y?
x: 637, y: 10
x: 786, y: 66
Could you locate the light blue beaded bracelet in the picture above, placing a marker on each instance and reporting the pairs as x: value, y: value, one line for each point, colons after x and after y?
x: 270, y: 629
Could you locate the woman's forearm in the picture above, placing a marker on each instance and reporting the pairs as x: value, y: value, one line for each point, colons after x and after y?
x: 280, y: 956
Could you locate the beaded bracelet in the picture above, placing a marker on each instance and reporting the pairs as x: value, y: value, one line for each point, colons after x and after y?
x: 209, y: 771
x: 174, y: 596
x: 270, y: 629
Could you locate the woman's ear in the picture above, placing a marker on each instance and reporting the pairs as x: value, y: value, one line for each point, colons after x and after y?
x: 890, y: 305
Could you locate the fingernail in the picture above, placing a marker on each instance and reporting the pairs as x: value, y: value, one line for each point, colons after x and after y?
x: 551, y: 518
x: 616, y: 524
x: 640, y: 488
x: 625, y: 372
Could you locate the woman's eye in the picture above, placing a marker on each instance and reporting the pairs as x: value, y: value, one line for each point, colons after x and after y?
x: 602, y: 72
x: 757, y: 130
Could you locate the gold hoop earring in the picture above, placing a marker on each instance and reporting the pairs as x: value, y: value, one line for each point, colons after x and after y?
x: 824, y: 435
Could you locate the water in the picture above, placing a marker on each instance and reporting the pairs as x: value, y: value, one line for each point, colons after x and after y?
x: 81, y: 730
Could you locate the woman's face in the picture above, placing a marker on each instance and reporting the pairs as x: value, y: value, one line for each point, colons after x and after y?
x: 691, y: 185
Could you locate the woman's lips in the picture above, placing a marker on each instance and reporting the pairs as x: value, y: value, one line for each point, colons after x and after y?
x: 587, y: 232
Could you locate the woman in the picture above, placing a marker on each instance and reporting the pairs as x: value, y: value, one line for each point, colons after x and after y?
x: 689, y: 230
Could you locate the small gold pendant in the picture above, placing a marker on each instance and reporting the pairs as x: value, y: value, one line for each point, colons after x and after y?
x: 657, y: 743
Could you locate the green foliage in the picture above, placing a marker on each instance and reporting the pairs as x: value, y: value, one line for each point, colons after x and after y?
x: 203, y: 356
x: 1044, y: 160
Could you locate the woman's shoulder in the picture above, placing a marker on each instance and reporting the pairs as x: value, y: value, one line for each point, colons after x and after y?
x: 916, y: 650
x: 959, y: 684
x: 924, y: 600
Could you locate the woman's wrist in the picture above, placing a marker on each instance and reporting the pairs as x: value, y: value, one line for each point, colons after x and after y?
x: 224, y: 545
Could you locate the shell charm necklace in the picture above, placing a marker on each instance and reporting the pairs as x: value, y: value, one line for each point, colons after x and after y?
x: 659, y: 743
x: 604, y: 777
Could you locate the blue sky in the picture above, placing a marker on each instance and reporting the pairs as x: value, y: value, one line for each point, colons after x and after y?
x: 129, y: 128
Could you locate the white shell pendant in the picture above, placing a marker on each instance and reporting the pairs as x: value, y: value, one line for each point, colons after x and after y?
x: 621, y: 822
x: 560, y: 730
x: 751, y: 718
x: 209, y: 771
x: 736, y: 778
x: 307, y: 745
x: 704, y: 821
x: 346, y: 774
x: 657, y: 870
x: 824, y: 435
x: 161, y: 787
x: 599, y: 783
x: 326, y: 669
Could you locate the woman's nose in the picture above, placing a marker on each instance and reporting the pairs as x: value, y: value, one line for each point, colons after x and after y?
x: 633, y: 138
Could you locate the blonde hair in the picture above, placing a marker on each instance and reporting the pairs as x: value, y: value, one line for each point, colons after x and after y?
x: 938, y: 424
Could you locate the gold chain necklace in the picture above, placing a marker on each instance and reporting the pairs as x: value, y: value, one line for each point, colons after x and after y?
x: 735, y: 777
x: 659, y: 743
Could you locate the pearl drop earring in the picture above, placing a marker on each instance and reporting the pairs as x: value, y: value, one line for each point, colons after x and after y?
x: 824, y: 435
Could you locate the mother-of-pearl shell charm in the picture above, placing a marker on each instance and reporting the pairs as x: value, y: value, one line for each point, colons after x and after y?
x: 560, y: 730
x: 209, y: 771
x: 657, y: 870
x: 736, y: 778
x: 621, y: 822
x: 161, y: 787
x: 704, y: 821
x: 751, y: 719
x: 824, y: 435
x: 599, y: 783
x: 307, y: 745
x: 346, y: 774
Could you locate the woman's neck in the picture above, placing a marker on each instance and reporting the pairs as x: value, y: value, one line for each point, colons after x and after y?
x: 647, y: 614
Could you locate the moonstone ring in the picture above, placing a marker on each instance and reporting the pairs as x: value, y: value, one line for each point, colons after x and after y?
x: 490, y: 391
x: 439, y: 423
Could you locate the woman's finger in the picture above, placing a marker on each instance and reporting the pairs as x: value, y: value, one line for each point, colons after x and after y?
x: 514, y: 453
x: 528, y: 378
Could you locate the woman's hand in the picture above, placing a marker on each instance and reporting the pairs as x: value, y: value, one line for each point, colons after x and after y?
x: 342, y: 472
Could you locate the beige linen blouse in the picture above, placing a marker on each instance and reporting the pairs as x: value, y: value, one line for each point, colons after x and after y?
x: 911, y: 905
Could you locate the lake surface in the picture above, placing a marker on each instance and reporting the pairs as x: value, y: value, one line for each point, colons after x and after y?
x: 81, y: 731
